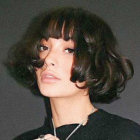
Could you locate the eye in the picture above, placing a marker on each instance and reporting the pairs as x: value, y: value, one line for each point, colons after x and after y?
x: 42, y: 48
x: 69, y: 50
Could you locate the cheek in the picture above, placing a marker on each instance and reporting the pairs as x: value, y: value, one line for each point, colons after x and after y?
x: 38, y: 76
x: 37, y: 72
x: 42, y: 55
x: 67, y: 67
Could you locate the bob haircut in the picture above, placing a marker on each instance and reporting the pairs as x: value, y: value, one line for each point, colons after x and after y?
x: 96, y: 59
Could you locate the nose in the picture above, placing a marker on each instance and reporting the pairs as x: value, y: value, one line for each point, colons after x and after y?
x: 50, y: 59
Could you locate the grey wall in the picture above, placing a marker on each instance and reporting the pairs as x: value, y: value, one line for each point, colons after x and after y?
x: 19, y: 109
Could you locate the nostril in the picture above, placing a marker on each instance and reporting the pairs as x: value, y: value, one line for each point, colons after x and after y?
x: 46, y: 65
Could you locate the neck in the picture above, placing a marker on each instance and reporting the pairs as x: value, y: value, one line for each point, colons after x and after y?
x: 70, y: 110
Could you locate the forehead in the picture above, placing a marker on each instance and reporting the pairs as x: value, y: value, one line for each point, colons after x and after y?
x: 67, y: 24
x: 54, y: 29
x: 54, y: 42
x: 59, y: 24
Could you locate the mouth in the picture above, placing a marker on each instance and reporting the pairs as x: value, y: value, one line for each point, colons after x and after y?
x: 49, y: 78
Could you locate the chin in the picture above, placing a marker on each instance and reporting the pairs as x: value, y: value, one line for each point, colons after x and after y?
x: 50, y: 93
x: 55, y: 94
x: 47, y: 93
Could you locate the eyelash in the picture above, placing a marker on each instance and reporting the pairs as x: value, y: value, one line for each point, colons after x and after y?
x: 42, y: 48
x: 70, y: 50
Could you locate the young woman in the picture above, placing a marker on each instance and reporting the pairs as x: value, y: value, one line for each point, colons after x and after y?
x: 72, y: 59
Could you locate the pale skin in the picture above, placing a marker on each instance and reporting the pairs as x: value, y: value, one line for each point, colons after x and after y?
x: 69, y: 104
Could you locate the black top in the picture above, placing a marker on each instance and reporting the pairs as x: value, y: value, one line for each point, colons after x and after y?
x: 101, y: 125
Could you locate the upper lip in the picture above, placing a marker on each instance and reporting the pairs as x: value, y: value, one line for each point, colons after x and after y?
x: 48, y: 73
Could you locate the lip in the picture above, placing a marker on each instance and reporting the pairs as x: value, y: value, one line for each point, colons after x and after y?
x: 48, y: 77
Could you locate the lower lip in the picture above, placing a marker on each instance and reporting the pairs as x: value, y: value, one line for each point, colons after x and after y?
x: 49, y: 80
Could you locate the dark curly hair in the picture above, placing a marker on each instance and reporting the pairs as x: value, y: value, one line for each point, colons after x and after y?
x: 96, y: 59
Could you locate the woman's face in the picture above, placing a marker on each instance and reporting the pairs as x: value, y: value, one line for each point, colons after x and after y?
x: 54, y: 77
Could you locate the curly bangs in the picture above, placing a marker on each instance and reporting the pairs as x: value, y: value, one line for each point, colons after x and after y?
x: 96, y: 59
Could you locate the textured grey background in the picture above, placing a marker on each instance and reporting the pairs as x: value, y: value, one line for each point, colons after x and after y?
x: 20, y: 111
